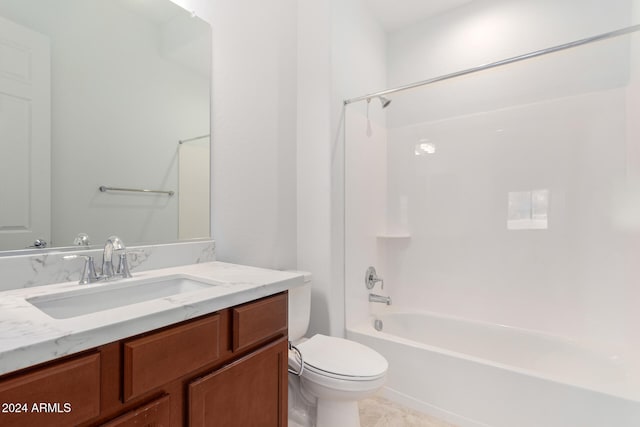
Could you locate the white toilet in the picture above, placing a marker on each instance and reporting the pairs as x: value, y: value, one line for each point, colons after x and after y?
x: 336, y: 372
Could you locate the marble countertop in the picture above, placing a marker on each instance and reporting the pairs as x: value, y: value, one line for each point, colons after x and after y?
x: 28, y: 336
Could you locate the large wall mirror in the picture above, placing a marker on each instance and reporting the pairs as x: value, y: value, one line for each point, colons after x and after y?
x: 103, y: 93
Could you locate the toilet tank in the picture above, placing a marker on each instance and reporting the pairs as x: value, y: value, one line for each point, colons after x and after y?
x: 300, y: 308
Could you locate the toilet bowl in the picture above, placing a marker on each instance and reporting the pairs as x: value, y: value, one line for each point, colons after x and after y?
x: 327, y: 375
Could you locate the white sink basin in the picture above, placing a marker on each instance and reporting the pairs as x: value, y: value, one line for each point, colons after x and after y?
x: 105, y: 296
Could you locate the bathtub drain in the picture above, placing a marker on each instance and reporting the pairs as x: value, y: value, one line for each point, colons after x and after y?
x: 377, y: 324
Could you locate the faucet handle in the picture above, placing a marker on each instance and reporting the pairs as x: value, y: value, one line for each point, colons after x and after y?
x: 82, y: 239
x: 116, y: 242
x: 123, y: 263
x: 123, y: 266
x: 371, y: 278
x: 89, y: 274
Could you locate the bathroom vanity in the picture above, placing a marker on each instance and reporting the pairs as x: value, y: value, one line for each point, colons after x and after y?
x: 143, y: 363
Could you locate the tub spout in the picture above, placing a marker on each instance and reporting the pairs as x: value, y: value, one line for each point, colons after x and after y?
x: 379, y: 298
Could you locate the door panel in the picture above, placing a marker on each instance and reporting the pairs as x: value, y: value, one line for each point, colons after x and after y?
x: 25, y: 136
x: 249, y: 392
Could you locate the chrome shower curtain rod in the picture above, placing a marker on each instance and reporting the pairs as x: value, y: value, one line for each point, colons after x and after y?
x: 604, y: 36
x: 195, y: 138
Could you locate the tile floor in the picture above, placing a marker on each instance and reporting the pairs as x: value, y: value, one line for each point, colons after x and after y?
x: 380, y: 412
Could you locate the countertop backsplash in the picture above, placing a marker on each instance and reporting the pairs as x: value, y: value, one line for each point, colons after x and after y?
x: 22, y: 271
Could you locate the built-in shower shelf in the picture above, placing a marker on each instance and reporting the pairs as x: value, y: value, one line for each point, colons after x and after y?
x: 394, y: 236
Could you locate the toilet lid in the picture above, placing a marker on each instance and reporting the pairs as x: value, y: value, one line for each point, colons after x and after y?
x: 340, y: 357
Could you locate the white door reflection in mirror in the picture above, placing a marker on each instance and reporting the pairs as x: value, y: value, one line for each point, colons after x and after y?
x: 25, y: 126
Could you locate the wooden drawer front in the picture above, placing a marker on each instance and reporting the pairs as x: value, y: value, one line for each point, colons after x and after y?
x: 154, y: 414
x: 257, y: 321
x: 157, y: 359
x: 65, y: 394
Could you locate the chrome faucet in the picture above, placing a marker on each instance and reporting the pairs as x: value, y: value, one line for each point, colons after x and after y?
x: 113, y: 246
x: 370, y: 280
x: 379, y: 298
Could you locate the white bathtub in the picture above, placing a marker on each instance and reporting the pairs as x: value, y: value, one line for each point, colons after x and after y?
x: 477, y: 374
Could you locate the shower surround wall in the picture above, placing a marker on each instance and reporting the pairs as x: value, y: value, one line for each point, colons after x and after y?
x: 563, y: 123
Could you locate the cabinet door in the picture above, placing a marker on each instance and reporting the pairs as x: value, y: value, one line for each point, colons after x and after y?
x: 154, y: 414
x: 251, y: 391
x: 59, y: 395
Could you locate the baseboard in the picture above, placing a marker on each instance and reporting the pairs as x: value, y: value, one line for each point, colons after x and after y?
x: 429, y: 409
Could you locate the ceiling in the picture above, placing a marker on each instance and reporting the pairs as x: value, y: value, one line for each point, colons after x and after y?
x: 396, y: 14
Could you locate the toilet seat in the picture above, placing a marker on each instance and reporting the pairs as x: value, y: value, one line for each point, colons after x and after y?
x: 341, y: 359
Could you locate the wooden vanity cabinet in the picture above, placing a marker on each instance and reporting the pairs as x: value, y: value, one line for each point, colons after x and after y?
x: 227, y: 368
x: 157, y: 413
x: 251, y: 391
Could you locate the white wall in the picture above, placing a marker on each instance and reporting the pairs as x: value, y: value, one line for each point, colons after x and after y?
x: 490, y: 30
x: 341, y: 55
x: 314, y: 156
x: 253, y: 129
x: 277, y: 202
x: 278, y: 205
x: 277, y: 196
x: 277, y: 199
x: 360, y: 46
x: 365, y: 205
x: 558, y: 123
x: 359, y: 67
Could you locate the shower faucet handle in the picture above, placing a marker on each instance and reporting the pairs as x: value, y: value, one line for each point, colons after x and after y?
x: 371, y: 278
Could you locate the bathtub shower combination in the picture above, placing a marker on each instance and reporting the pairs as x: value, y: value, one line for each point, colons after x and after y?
x: 501, y: 205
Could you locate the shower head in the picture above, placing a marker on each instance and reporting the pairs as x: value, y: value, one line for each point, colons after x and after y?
x: 384, y: 101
